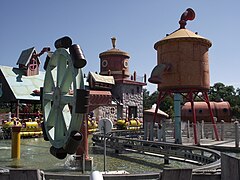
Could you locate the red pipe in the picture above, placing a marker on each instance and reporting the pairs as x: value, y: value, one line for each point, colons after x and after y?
x: 46, y: 49
x: 189, y: 14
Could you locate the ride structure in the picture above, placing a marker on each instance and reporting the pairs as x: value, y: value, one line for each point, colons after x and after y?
x: 183, y: 69
x: 29, y: 128
x: 65, y: 101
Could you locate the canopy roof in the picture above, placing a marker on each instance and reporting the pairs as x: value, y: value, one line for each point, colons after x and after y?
x: 26, y: 56
x: 185, y: 35
x: 159, y: 112
x: 101, y: 78
x: 21, y: 86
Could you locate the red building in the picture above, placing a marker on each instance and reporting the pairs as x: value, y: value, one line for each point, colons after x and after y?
x: 127, y: 92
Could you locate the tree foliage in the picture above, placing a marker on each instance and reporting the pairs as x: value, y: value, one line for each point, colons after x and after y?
x: 220, y: 92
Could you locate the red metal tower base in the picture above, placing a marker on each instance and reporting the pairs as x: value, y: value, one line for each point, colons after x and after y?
x: 83, y: 147
x: 82, y: 151
x: 190, y: 96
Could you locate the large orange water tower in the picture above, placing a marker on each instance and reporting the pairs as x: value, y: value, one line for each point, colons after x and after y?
x: 183, y: 67
x: 183, y: 59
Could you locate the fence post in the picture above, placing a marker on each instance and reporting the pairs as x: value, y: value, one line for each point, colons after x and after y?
x: 202, y: 130
x: 159, y: 132
x: 236, y: 134
x: 188, y: 129
x: 198, y: 132
x: 164, y: 130
x: 151, y: 131
x: 215, y: 120
x: 177, y: 118
x: 166, y: 156
x: 222, y: 130
x: 145, y: 126
x: 212, y: 132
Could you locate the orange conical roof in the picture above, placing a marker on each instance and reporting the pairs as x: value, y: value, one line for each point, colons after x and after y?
x: 183, y: 34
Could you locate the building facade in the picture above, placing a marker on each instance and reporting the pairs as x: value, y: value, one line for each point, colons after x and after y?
x: 127, y: 93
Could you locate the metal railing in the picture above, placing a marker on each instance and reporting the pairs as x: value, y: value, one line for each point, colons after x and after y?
x: 226, y: 131
x: 192, y: 154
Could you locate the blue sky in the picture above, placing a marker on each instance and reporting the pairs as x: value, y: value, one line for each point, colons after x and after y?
x: 137, y: 25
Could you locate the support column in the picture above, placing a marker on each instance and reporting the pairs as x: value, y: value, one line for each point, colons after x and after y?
x: 188, y: 129
x: 160, y: 132
x: 194, y: 119
x: 177, y: 118
x: 202, y: 130
x: 151, y: 131
x: 16, y: 141
x: 236, y: 134
x: 17, y: 109
x: 164, y: 130
x: 82, y: 151
x: 222, y: 130
x: 145, y: 130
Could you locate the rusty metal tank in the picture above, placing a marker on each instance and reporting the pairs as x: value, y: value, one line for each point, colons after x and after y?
x: 221, y: 110
x: 182, y: 60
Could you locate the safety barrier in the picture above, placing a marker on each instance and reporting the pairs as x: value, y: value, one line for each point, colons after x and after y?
x: 209, y: 159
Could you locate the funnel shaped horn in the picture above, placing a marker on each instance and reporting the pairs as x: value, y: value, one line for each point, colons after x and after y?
x: 78, y: 57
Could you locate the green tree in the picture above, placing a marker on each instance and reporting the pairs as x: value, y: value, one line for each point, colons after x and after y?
x: 146, y: 99
x: 220, y: 92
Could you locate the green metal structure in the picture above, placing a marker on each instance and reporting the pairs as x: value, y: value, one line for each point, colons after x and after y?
x: 59, y: 96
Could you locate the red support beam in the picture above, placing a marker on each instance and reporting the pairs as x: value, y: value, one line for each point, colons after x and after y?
x: 161, y: 96
x: 83, y: 147
x: 211, y: 115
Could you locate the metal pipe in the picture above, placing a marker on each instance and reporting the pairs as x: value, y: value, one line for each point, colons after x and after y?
x: 189, y: 14
x: 105, y: 148
x: 177, y: 118
x: 236, y: 134
x: 16, y: 141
